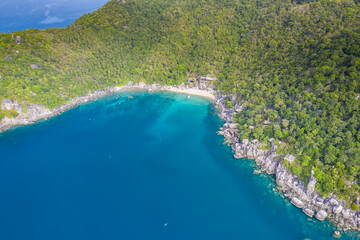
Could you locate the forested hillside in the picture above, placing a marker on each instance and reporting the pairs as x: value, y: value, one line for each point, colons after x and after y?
x: 295, y: 64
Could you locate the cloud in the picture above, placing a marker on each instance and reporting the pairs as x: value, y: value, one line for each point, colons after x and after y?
x: 50, y: 19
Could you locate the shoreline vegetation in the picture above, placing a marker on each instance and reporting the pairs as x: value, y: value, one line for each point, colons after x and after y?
x: 30, y: 113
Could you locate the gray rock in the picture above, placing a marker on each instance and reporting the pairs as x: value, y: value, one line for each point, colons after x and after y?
x: 18, y: 39
x: 337, y: 209
x: 297, y: 202
x: 346, y: 214
x: 311, y: 184
x: 308, y: 212
x: 321, y: 215
x: 333, y: 202
x: 8, y: 104
x: 34, y: 66
x: 233, y: 125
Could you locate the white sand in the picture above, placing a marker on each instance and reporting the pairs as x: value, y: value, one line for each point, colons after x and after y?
x: 191, y: 91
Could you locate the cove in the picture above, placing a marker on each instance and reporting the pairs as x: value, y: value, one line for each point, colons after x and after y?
x: 138, y: 165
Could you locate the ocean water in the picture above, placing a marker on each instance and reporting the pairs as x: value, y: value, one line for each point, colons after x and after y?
x: 138, y: 165
x: 18, y: 15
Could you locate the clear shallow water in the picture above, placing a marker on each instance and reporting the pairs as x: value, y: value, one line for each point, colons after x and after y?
x: 18, y: 15
x: 121, y: 168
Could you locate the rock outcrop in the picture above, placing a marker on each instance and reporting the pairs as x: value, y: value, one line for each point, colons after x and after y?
x: 301, y: 195
x: 28, y: 113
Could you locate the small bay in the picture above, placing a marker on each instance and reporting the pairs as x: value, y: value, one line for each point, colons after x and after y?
x: 138, y: 165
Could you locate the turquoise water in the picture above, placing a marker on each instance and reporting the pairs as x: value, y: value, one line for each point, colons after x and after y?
x: 147, y: 167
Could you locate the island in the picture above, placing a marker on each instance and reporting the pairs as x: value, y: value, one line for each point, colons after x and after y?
x: 284, y: 75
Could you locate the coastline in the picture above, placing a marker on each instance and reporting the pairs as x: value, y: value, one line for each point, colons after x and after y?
x: 35, y: 112
x: 300, y: 195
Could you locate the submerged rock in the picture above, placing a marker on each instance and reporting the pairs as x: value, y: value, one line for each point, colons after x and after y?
x: 337, y: 234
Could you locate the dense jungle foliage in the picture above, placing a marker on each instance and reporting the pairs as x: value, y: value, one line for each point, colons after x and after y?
x: 295, y: 64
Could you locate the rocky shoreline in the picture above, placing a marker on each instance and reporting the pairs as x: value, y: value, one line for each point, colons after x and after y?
x: 269, y: 161
x: 31, y: 113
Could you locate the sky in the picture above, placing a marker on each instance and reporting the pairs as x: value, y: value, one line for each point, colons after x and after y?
x: 18, y: 15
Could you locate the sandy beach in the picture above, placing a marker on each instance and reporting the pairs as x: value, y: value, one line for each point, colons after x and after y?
x: 35, y: 112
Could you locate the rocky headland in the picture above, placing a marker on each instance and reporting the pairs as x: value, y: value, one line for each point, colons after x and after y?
x: 300, y: 195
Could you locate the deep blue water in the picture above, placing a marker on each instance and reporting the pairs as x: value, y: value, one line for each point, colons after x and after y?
x: 18, y: 15
x: 121, y: 168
